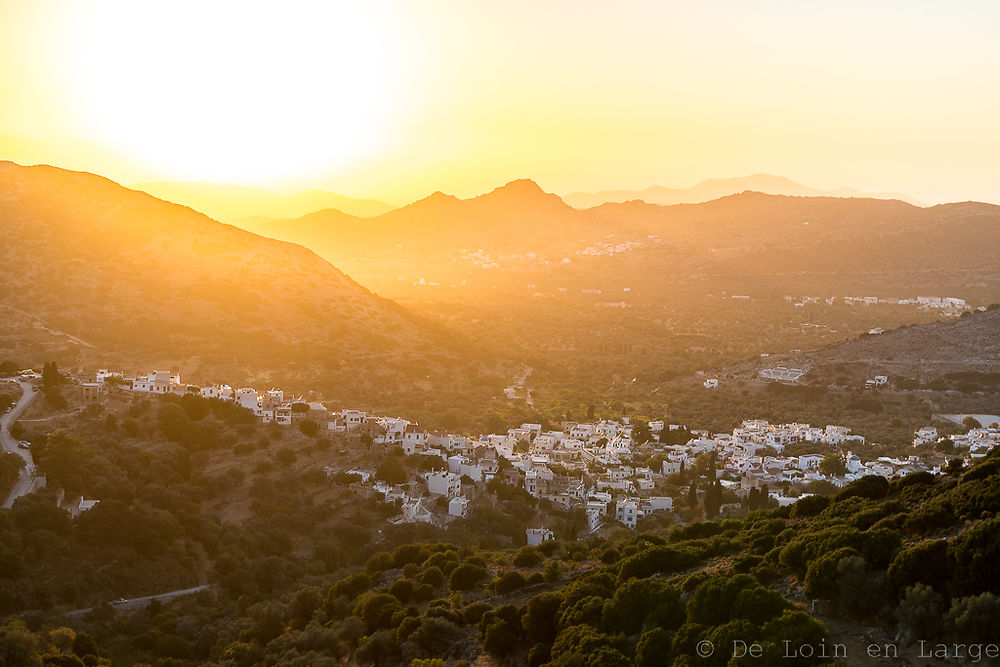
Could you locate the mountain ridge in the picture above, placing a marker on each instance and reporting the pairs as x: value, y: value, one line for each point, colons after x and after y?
x: 714, y: 188
x: 231, y: 203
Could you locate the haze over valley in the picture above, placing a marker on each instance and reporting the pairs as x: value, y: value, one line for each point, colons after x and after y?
x: 490, y: 334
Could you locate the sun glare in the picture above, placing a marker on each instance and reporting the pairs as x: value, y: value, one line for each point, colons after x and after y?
x: 247, y: 92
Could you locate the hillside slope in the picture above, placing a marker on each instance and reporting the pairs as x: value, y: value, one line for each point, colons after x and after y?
x: 143, y: 282
x: 962, y: 346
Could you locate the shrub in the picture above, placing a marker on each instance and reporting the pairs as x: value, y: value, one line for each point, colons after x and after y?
x: 975, y: 618
x: 508, y: 582
x: 473, y: 613
x: 822, y: 576
x: 540, y: 617
x: 432, y: 576
x: 656, y: 560
x: 713, y: 600
x: 435, y: 636
x: 402, y: 590
x: 925, y: 563
x: 466, y: 577
x: 610, y: 556
x: 809, y: 506
x: 972, y: 558
x: 378, y: 562
x: 873, y: 487
x: 527, y: 557
x: 376, y: 610
x: 919, y: 612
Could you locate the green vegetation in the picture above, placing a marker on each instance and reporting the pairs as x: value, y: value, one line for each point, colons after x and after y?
x: 314, y: 575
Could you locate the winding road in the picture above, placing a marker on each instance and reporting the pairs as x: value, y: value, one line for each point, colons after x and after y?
x: 139, y: 603
x: 26, y: 481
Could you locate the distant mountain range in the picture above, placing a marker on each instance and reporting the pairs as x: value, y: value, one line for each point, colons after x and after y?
x: 714, y: 188
x: 518, y: 232
x: 232, y: 203
x: 146, y: 282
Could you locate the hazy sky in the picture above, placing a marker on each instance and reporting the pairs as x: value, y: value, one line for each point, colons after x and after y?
x: 397, y: 99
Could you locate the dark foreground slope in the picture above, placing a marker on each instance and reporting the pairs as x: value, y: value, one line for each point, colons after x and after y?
x: 311, y: 573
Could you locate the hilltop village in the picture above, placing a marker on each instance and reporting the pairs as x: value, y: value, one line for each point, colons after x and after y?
x: 612, y: 469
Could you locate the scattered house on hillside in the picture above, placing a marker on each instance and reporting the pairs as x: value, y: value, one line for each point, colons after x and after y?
x: 414, y: 510
x: 925, y: 435
x: 538, y: 535
x: 92, y: 392
x: 782, y: 374
x: 104, y: 374
x: 85, y: 505
x: 394, y: 428
x: 414, y: 438
x: 318, y: 412
x: 159, y: 382
x: 627, y: 512
x: 810, y: 461
x: 353, y: 418
x: 458, y: 506
x: 443, y: 483
x: 876, y: 382
x: 283, y: 414
x: 672, y: 467
x: 247, y: 398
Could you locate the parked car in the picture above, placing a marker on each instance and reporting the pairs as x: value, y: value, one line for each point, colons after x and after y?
x: 24, y: 444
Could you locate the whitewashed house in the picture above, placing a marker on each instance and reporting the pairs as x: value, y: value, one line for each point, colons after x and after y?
x: 442, y: 483
x: 536, y: 536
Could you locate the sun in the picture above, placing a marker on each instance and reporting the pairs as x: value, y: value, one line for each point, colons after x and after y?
x: 235, y: 92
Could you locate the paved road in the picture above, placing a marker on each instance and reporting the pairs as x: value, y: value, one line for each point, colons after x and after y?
x: 26, y: 482
x: 139, y: 603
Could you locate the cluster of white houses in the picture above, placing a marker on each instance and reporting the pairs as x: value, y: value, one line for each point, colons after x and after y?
x: 949, y: 304
x: 588, y: 465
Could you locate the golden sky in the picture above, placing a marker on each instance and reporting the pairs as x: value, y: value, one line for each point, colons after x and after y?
x: 396, y: 99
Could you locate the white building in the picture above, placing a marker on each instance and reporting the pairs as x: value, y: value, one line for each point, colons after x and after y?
x: 538, y: 535
x: 159, y: 382
x: 809, y: 461
x: 414, y: 438
x: 247, y: 397
x: 925, y: 435
x: 458, y: 506
x: 283, y: 414
x: 353, y: 418
x: 627, y: 511
x: 104, y: 374
x: 443, y: 483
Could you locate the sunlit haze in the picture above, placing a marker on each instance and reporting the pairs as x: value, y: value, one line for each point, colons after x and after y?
x: 394, y: 100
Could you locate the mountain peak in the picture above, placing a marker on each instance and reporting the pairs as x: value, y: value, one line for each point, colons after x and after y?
x: 522, y: 190
x: 437, y: 195
x: 520, y: 185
